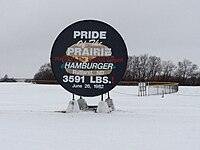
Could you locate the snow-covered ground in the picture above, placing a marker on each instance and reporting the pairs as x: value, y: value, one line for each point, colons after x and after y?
x: 28, y: 120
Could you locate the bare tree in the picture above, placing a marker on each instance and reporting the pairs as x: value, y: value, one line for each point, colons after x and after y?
x: 133, y: 68
x: 168, y: 68
x: 143, y: 66
x: 129, y: 74
x: 151, y: 68
x: 186, y: 69
x: 45, y: 73
x: 154, y: 67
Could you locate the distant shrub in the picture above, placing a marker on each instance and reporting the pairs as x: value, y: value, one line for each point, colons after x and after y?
x: 44, y: 74
x: 7, y: 79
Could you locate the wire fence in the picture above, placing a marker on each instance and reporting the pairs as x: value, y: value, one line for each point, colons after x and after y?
x: 162, y: 89
x: 157, y: 88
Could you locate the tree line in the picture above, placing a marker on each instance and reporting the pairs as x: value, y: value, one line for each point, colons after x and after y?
x: 152, y: 68
x: 147, y: 68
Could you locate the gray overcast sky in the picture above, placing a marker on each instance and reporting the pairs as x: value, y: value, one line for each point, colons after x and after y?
x: 166, y: 28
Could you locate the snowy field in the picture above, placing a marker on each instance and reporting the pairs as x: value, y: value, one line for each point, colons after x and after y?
x: 28, y: 120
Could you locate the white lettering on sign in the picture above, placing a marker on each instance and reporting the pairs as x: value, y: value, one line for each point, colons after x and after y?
x: 90, y: 34
x: 81, y: 79
x: 99, y: 79
x: 94, y: 43
x: 88, y: 51
x: 72, y: 79
x: 88, y: 66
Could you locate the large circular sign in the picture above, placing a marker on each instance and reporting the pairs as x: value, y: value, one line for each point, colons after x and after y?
x: 89, y: 58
